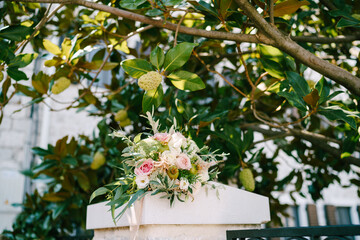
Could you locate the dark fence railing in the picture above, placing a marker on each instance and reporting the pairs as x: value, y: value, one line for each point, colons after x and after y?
x: 341, y: 232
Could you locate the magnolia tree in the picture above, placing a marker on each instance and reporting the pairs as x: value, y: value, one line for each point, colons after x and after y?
x: 226, y: 70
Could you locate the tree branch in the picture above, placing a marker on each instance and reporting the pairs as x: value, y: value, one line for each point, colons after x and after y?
x: 271, y: 35
x: 251, y: 38
x: 317, y: 140
x: 327, y: 40
x: 158, y: 23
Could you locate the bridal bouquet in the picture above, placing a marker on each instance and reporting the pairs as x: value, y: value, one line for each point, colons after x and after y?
x: 166, y: 163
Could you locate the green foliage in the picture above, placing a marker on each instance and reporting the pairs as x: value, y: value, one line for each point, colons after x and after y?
x: 60, y: 209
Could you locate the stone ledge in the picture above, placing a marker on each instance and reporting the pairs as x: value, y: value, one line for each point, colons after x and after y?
x: 234, y: 206
x: 173, y: 232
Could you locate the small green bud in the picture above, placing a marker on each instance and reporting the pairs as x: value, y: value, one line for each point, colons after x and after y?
x: 121, y: 115
x: 98, y: 160
x: 125, y: 123
x: 247, y: 179
x: 193, y: 169
x: 150, y: 81
x: 173, y: 172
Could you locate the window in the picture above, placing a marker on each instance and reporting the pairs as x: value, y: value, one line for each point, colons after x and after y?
x: 342, y: 215
x: 337, y: 215
x: 293, y: 219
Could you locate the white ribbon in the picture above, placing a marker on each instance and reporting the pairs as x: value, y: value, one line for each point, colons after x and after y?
x: 135, y: 218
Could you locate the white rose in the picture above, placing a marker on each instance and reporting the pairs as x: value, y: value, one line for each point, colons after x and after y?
x: 176, y: 142
x: 142, y: 181
x: 169, y: 157
x: 204, y: 175
x: 184, y: 184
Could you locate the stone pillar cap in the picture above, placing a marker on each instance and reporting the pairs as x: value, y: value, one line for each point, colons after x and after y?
x: 222, y: 205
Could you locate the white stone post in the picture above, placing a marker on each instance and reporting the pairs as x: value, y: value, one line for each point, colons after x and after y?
x: 208, y: 216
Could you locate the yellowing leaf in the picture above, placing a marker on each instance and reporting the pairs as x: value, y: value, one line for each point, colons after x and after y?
x: 54, y: 62
x: 66, y: 47
x: 87, y: 19
x: 288, y: 7
x: 51, y: 47
x: 27, y: 23
x: 95, y: 65
x: 110, y: 65
x: 123, y: 47
x: 192, y: 18
x: 101, y: 16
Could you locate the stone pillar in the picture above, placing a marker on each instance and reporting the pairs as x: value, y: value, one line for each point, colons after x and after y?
x: 208, y: 216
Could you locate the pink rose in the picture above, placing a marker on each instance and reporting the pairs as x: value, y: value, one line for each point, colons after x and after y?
x: 183, y: 161
x: 162, y: 137
x: 146, y: 168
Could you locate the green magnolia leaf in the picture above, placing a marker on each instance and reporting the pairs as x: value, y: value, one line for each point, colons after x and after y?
x: 273, y: 68
x: 16, y: 74
x: 83, y: 181
x: 15, y: 33
x: 186, y: 80
x: 178, y: 56
x: 171, y: 2
x: 157, y: 57
x: 84, y: 51
x: 6, y: 54
x: 131, y: 4
x: 348, y: 23
x: 53, y: 197
x: 136, y: 67
x: 152, y: 98
x: 27, y: 91
x: 41, y: 82
x: 299, y: 84
x: 51, y: 47
x: 22, y: 60
x: 154, y: 12
x: 323, y: 89
x: 58, y: 210
x: 5, y: 87
x: 336, y: 113
x: 40, y: 151
x: 69, y: 160
x: 271, y: 53
x: 294, y: 100
x: 204, y: 6
x: 47, y: 164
